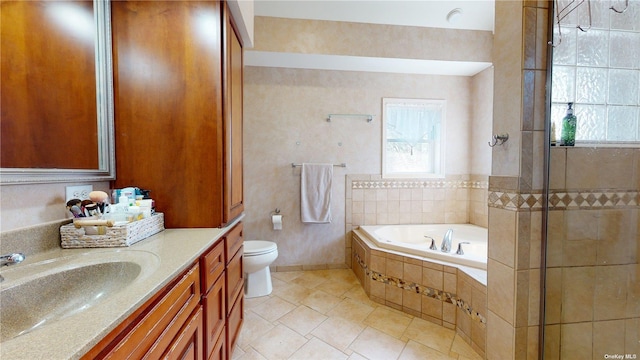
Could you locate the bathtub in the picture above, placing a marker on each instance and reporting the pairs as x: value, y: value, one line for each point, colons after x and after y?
x: 416, y: 240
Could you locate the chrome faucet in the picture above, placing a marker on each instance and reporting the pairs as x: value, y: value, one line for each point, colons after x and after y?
x: 446, y: 241
x: 11, y: 259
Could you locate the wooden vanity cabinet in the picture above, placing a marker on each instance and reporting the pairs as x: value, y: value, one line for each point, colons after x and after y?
x: 213, y: 300
x: 223, y: 300
x: 178, y: 108
x: 235, y: 285
x: 198, y: 315
x: 232, y: 87
x: 158, y: 327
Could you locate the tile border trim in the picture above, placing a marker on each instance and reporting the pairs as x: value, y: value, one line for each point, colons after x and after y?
x: 420, y: 289
x: 418, y: 184
x: 565, y: 200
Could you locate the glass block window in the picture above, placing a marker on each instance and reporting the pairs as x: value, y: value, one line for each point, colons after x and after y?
x: 599, y: 71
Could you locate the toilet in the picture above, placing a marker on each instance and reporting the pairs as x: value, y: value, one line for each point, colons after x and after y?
x: 258, y: 255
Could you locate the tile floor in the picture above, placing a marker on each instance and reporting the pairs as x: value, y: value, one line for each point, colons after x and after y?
x: 325, y: 314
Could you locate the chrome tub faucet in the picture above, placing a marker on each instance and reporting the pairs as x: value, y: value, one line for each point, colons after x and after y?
x: 446, y: 241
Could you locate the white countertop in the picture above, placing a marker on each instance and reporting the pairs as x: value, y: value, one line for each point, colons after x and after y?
x: 72, y: 337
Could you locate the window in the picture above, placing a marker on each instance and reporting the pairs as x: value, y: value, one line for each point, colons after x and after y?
x: 413, y: 138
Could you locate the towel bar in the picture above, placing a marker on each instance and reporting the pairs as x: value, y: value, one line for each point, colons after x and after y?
x: 344, y: 165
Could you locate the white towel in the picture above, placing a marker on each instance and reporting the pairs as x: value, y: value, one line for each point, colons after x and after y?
x: 315, y: 193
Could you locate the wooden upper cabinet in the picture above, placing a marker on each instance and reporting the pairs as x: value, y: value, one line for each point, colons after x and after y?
x: 232, y: 109
x: 172, y: 137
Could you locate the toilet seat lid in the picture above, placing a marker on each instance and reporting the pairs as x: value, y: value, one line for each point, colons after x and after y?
x: 259, y: 247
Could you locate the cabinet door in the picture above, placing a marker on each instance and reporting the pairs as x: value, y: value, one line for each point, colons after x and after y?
x: 188, y: 344
x: 167, y: 65
x: 233, y: 72
x: 234, y: 323
x: 219, y: 351
x: 215, y: 315
x: 235, y: 279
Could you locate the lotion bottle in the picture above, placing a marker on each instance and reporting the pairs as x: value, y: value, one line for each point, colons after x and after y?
x: 568, y: 134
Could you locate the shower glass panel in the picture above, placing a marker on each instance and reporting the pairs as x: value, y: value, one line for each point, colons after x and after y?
x: 591, y: 274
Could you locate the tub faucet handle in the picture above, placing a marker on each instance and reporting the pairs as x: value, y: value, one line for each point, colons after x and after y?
x: 459, y: 251
x: 433, y: 243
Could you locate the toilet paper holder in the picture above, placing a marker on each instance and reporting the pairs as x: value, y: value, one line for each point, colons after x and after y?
x: 276, y: 219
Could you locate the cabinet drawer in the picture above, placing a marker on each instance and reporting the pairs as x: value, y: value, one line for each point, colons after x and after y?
x: 157, y: 329
x: 188, y: 344
x: 233, y: 241
x: 212, y: 265
x: 215, y: 314
x: 234, y: 323
x: 235, y: 279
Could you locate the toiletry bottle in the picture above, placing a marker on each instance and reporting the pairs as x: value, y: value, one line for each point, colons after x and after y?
x: 568, y: 135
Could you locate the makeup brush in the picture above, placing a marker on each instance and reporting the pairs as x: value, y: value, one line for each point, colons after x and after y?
x: 100, y: 198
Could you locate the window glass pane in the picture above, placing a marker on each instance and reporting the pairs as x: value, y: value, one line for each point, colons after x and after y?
x: 412, y: 140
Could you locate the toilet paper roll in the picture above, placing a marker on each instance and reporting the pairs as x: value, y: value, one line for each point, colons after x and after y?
x: 277, y: 222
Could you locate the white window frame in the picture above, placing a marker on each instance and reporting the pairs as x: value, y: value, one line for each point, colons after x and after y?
x: 438, y: 141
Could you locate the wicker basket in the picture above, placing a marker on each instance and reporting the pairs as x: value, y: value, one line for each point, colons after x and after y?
x: 116, y: 236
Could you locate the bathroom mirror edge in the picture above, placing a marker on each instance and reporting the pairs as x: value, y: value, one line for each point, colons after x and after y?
x: 105, y: 104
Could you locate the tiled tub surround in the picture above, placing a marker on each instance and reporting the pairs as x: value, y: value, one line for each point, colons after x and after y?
x: 372, y: 200
x: 453, y: 297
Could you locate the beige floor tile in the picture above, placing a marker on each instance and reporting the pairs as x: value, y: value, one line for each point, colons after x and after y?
x: 273, y: 308
x: 351, y: 310
x: 416, y: 351
x: 325, y: 314
x: 253, y: 328
x: 293, y: 293
x: 430, y: 334
x: 253, y: 302
x: 279, y: 343
x: 338, y: 332
x: 309, y: 279
x: 356, y: 356
x: 357, y: 293
x: 335, y: 288
x: 375, y: 345
x: 386, y: 320
x: 321, y: 301
x: 250, y: 354
x: 286, y: 276
x: 302, y: 319
x: 278, y: 284
x: 460, y: 347
x: 316, y: 349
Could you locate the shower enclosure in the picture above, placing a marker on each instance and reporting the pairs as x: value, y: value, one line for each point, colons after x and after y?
x: 591, y: 276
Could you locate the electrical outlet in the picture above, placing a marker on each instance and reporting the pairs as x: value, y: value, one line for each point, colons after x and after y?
x: 79, y: 192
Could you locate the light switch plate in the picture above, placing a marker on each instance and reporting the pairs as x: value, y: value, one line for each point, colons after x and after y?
x: 79, y: 192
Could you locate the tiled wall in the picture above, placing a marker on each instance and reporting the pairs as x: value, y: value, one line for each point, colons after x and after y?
x: 372, y: 200
x: 593, y: 276
x: 441, y: 294
x: 515, y: 187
